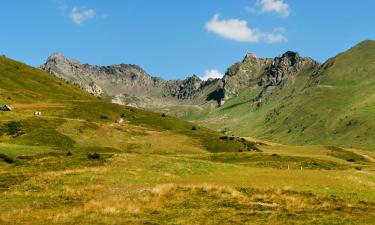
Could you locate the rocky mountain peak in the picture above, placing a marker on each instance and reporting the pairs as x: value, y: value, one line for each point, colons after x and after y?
x: 193, y: 79
x: 249, y: 57
x: 124, y: 82
x: 129, y: 82
x: 281, y: 72
x: 56, y: 56
x: 268, y: 73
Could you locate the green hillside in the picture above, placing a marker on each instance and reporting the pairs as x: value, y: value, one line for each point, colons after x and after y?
x: 333, y: 104
x: 75, y: 165
x: 28, y: 90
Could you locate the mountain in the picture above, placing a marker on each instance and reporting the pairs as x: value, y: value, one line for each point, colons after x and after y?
x: 295, y: 100
x: 74, y: 119
x: 289, y: 99
x: 263, y: 74
x: 85, y: 160
x: 125, y: 83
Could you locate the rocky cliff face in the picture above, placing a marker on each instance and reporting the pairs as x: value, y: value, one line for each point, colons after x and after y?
x: 125, y: 83
x: 131, y: 85
x: 282, y: 72
x: 264, y: 74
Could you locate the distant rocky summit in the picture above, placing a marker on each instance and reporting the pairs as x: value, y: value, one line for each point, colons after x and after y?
x: 262, y: 75
x: 126, y: 84
x: 129, y: 84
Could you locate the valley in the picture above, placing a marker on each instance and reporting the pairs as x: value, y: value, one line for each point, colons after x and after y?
x: 76, y: 165
x: 252, y: 112
x: 288, y: 99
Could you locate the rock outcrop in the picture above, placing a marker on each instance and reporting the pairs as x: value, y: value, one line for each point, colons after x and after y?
x: 282, y: 72
x: 126, y: 84
x: 265, y: 74
x: 130, y: 85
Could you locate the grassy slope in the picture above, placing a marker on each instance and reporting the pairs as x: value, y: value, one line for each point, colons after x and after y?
x: 29, y: 90
x: 155, y: 169
x: 339, y: 110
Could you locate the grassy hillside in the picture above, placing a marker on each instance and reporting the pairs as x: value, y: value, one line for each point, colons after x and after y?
x: 28, y: 90
x: 75, y: 165
x: 334, y: 105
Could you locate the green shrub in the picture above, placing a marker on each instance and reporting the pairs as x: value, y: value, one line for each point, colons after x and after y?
x: 12, y: 128
x: 94, y: 156
x: 6, y: 158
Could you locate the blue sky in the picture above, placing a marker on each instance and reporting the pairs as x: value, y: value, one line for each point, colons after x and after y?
x: 174, y: 39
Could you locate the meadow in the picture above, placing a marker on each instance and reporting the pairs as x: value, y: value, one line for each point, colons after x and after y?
x: 76, y: 165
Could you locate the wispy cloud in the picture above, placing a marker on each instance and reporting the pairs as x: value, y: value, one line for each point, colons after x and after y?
x: 81, y: 14
x: 62, y: 5
x: 271, y: 6
x: 276, y: 36
x: 215, y: 74
x: 238, y: 30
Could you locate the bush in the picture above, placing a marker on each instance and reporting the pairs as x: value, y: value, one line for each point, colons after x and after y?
x: 13, y: 129
x: 163, y: 115
x: 194, y: 128
x: 6, y: 158
x: 104, y: 117
x: 94, y: 156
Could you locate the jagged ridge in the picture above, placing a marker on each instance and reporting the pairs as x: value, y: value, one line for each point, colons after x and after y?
x: 125, y: 83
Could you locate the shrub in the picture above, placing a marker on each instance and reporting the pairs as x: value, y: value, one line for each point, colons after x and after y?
x: 14, y: 129
x: 104, y: 117
x: 194, y: 128
x: 163, y: 115
x: 6, y: 158
x: 94, y: 156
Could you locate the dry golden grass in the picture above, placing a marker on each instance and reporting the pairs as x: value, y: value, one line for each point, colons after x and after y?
x: 189, y: 204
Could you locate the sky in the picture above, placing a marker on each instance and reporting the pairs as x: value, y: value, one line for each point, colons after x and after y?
x: 174, y: 39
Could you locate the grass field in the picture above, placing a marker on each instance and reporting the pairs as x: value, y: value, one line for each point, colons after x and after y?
x: 149, y: 185
x: 75, y: 165
x: 332, y: 105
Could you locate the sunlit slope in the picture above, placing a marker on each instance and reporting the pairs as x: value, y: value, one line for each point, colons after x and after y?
x: 75, y: 165
x: 337, y: 106
x: 72, y: 118
x: 334, y: 104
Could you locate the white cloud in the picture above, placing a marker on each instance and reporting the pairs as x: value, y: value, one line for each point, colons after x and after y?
x: 276, y: 6
x: 80, y: 14
x: 233, y: 29
x: 277, y: 36
x: 238, y: 30
x: 212, y: 74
